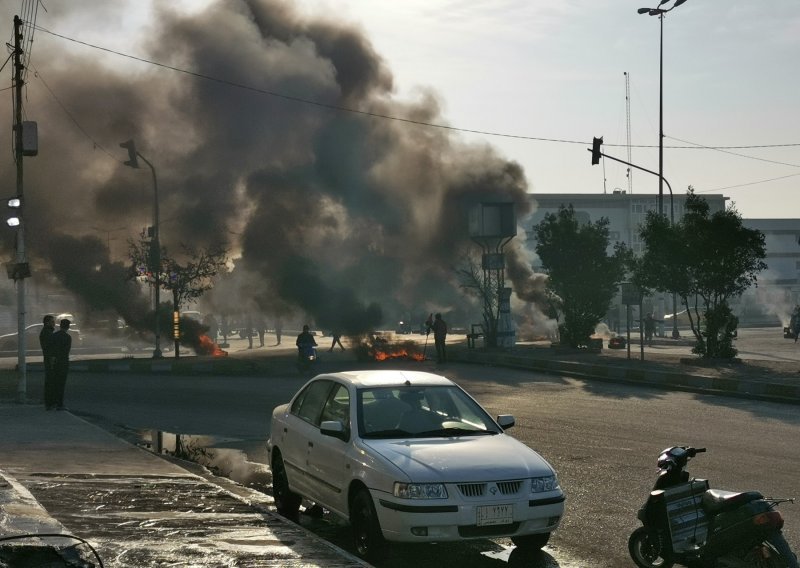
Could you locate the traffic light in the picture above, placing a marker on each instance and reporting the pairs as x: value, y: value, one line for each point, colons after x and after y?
x: 596, y: 143
x: 133, y: 161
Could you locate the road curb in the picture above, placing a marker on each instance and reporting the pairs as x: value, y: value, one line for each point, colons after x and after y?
x: 755, y: 389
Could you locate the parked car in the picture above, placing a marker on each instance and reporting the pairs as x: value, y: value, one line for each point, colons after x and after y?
x: 409, y: 457
x: 9, y: 341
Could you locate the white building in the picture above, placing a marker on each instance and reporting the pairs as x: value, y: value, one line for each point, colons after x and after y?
x: 778, y: 289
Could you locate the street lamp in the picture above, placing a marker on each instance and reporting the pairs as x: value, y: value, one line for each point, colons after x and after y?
x: 155, y: 250
x: 660, y: 12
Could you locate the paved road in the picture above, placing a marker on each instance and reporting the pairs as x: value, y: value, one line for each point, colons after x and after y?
x: 602, y: 438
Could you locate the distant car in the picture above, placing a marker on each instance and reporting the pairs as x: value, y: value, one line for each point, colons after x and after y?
x: 10, y: 341
x: 409, y: 457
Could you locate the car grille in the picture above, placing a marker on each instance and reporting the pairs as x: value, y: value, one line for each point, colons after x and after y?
x: 480, y: 489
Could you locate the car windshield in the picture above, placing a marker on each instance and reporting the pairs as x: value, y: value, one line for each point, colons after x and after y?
x: 420, y: 412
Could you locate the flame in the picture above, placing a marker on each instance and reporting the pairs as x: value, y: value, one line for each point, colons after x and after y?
x: 387, y: 351
x: 208, y: 347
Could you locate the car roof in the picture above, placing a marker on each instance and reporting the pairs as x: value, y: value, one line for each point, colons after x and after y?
x: 388, y: 377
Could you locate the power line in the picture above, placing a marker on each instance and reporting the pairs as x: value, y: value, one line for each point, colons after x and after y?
x: 725, y: 151
x: 369, y: 113
x: 95, y: 143
x: 747, y: 184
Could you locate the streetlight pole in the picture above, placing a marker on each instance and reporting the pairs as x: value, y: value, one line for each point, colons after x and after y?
x: 155, y: 245
x: 661, y: 12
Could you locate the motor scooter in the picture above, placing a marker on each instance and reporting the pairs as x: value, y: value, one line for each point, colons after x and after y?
x: 306, y: 358
x: 687, y: 523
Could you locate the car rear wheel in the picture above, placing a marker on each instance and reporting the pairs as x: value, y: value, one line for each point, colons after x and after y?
x: 367, y: 535
x: 531, y: 541
x: 286, y: 501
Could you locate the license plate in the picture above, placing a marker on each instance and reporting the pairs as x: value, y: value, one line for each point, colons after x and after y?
x: 495, y: 515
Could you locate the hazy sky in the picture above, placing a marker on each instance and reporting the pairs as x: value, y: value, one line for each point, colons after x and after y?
x: 547, y: 69
x: 555, y: 70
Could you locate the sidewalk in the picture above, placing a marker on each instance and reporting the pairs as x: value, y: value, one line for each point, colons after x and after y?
x: 62, y: 475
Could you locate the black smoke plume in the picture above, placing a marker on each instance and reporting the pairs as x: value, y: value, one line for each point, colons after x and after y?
x: 341, y: 217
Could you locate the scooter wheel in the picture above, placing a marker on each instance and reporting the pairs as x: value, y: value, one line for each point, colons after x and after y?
x: 645, y: 550
x: 772, y: 553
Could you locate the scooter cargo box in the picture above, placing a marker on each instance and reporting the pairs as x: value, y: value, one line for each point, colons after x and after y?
x: 688, y: 525
x: 735, y: 528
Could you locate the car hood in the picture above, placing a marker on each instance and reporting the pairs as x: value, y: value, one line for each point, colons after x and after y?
x: 462, y: 459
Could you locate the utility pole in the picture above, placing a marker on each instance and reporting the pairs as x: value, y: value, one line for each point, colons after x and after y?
x: 19, y: 276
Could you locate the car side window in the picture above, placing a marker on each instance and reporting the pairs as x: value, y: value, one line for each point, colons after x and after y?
x: 338, y: 407
x: 308, y: 405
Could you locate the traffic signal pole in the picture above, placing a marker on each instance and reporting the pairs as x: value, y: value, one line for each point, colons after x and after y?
x: 596, y: 153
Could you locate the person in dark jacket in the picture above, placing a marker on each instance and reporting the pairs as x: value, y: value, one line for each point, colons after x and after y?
x: 61, y: 343
x: 45, y: 342
x: 439, y: 328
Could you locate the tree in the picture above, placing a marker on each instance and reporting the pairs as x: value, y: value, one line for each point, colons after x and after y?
x: 706, y: 259
x: 581, y: 272
x: 187, y: 279
x: 479, y: 283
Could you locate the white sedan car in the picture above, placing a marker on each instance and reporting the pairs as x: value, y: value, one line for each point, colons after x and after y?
x: 409, y: 457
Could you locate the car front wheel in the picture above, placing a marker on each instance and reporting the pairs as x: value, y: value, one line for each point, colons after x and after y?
x: 367, y: 535
x: 286, y: 501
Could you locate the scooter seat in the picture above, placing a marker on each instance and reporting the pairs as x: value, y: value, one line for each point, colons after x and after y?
x: 717, y: 500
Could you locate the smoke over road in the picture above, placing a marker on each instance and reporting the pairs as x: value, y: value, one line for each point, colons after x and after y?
x: 341, y: 216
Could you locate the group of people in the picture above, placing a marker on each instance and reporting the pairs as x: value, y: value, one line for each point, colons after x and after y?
x: 56, y: 345
x: 434, y: 324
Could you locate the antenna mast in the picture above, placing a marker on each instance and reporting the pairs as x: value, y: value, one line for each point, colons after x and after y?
x: 628, y: 126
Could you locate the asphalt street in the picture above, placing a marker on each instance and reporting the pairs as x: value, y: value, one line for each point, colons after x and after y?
x: 603, y: 439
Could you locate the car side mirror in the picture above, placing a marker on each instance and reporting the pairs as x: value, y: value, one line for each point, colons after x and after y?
x: 505, y: 421
x: 333, y: 428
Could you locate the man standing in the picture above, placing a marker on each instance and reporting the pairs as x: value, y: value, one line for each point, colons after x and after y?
x: 61, y: 343
x: 45, y: 342
x: 439, y: 336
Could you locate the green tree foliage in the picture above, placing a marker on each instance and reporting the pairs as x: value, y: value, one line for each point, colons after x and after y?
x: 580, y: 271
x: 706, y: 259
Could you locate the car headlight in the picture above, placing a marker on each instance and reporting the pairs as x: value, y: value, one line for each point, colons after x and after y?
x: 420, y: 490
x: 542, y: 484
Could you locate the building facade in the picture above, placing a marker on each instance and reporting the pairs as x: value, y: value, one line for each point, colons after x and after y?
x: 778, y: 291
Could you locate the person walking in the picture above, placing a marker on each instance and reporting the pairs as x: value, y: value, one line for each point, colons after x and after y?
x: 45, y: 342
x: 337, y: 338
x: 650, y: 327
x: 260, y: 328
x: 61, y: 344
x: 248, y: 323
x: 439, y: 337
